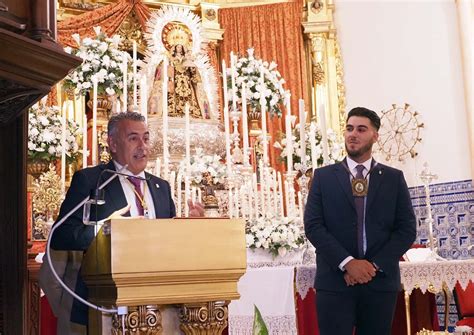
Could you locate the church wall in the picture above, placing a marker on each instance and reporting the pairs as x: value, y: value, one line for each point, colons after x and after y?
x: 409, y: 51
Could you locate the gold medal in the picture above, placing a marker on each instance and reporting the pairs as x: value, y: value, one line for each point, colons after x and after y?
x: 359, y: 187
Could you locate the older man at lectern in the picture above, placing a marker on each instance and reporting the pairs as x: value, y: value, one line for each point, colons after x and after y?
x: 141, y: 194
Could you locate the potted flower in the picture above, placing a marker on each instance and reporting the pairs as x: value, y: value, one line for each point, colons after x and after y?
x: 45, y: 135
x: 278, y: 236
x: 247, y: 70
x: 335, y: 153
x: 103, y: 61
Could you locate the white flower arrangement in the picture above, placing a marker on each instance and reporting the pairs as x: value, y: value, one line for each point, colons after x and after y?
x: 277, y: 235
x: 336, y: 147
x: 247, y: 70
x: 102, y: 60
x: 201, y: 164
x: 45, y: 133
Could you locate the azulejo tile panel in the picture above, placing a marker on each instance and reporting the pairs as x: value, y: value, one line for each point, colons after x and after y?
x: 452, y: 207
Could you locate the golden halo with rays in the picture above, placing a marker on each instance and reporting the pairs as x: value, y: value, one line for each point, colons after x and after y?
x: 176, y: 33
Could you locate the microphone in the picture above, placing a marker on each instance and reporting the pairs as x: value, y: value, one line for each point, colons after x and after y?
x: 60, y: 222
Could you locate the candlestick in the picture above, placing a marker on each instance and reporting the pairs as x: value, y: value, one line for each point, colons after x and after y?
x: 300, y: 206
x: 186, y: 195
x: 232, y: 73
x: 230, y: 204
x: 280, y: 196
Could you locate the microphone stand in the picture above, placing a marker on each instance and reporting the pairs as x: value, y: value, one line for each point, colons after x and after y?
x: 59, y: 223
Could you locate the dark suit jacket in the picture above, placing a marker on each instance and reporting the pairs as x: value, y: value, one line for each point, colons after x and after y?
x: 74, y: 235
x: 331, y: 224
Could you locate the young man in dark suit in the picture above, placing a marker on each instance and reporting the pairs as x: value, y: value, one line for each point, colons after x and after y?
x: 360, y: 219
x: 128, y: 140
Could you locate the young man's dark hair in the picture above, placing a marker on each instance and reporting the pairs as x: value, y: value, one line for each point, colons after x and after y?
x: 371, y: 115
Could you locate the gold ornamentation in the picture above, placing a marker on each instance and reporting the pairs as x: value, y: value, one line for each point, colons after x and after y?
x: 316, y: 6
x: 47, y: 197
x: 36, y: 168
x: 399, y: 133
x: 177, y: 33
x: 317, y: 56
x: 140, y: 320
x: 341, y: 88
x: 130, y: 30
x: 204, y: 318
x: 103, y: 106
x: 359, y: 187
x: 210, y: 14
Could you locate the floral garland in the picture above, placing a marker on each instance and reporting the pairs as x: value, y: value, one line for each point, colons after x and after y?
x: 278, y: 236
x: 247, y: 70
x: 336, y: 148
x: 45, y: 132
x: 102, y: 60
x: 202, y: 164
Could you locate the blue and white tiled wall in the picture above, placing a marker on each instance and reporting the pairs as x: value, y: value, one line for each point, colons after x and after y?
x: 452, y: 206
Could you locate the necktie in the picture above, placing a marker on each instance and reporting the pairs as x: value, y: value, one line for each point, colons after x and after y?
x: 138, y: 194
x: 359, y: 204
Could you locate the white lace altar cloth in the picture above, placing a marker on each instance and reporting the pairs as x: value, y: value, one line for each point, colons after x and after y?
x: 413, y: 275
x: 436, y: 273
x: 271, y: 290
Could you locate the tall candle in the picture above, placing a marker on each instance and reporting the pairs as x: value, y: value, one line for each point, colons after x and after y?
x: 275, y: 195
x: 179, y: 193
x: 144, y: 97
x: 84, y: 141
x: 264, y: 119
x: 187, y: 132
x: 172, y: 183
x: 118, y: 107
x: 324, y: 134
x: 312, y: 140
x: 193, y: 195
x: 262, y: 188
x: 245, y: 130
x: 164, y: 132
x: 289, y: 137
x: 94, y: 122
x: 199, y: 195
x: 302, y: 132
x: 226, y: 121
x: 63, y: 146
x: 134, y: 75
x: 232, y: 74
x: 158, y: 167
x: 186, y: 195
x: 125, y: 82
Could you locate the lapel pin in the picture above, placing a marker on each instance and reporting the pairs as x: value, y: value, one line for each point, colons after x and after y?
x: 380, y: 172
x: 157, y: 186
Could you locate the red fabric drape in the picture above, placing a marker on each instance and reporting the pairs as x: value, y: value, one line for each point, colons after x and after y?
x: 275, y: 32
x: 109, y: 17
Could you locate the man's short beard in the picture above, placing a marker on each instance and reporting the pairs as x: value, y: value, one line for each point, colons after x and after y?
x: 360, y: 152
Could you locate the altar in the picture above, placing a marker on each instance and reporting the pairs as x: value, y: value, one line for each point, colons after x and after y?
x: 285, y: 297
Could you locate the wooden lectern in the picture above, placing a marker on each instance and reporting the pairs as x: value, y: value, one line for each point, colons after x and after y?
x: 147, y: 264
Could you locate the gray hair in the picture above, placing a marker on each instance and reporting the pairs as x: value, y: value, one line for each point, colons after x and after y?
x: 112, y: 126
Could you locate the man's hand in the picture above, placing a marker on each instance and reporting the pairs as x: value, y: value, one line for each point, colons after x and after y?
x: 350, y: 281
x: 360, y: 270
x: 118, y: 214
x: 195, y: 209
